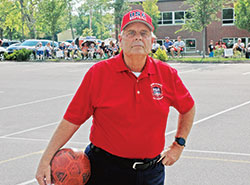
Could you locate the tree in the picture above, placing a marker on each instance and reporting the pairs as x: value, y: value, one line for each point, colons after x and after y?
x: 28, y: 10
x: 150, y: 7
x: 200, y: 14
x: 120, y: 8
x: 50, y: 12
x: 87, y: 32
x: 242, y: 14
x: 95, y: 18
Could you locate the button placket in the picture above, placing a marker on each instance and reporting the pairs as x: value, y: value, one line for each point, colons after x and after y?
x: 137, y: 91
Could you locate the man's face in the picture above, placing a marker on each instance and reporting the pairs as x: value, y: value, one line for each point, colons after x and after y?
x: 179, y: 39
x: 136, y: 39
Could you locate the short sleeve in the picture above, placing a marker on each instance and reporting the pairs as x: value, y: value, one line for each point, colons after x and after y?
x: 183, y: 100
x: 80, y: 108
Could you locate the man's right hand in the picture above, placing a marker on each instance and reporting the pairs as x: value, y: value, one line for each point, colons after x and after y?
x: 43, y: 175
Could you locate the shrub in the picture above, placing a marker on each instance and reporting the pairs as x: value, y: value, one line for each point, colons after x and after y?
x: 19, y: 55
x: 219, y: 52
x: 160, y: 55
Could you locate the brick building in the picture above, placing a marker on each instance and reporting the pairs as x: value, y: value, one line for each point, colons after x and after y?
x: 172, y: 17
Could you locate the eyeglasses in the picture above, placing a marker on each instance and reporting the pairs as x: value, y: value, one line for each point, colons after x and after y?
x: 133, y: 33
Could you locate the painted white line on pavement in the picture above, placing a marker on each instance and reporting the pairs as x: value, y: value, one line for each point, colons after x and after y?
x: 27, y: 182
x: 247, y: 73
x: 189, y: 71
x: 213, y: 115
x: 217, y: 152
x: 21, y: 157
x: 42, y: 140
x: 36, y: 101
x: 30, y: 129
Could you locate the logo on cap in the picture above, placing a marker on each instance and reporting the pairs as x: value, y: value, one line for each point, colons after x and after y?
x: 140, y: 15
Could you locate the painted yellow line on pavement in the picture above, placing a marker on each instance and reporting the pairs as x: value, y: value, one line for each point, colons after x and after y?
x: 21, y: 157
x: 217, y: 159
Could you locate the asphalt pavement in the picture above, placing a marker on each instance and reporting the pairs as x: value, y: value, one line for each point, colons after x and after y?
x: 34, y: 97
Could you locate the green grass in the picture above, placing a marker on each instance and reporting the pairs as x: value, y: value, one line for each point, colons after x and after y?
x: 213, y: 59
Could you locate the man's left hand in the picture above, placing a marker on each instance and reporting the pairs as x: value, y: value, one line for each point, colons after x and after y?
x: 171, y: 154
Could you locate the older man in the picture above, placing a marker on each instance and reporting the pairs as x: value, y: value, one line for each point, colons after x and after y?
x: 129, y: 97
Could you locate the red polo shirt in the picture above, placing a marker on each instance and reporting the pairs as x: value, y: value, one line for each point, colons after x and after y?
x: 129, y: 113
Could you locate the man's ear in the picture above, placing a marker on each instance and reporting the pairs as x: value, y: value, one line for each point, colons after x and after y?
x: 152, y: 40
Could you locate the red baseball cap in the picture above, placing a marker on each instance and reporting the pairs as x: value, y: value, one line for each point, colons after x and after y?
x: 137, y: 16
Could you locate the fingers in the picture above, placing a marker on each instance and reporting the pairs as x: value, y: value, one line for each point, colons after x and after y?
x: 43, y: 176
x: 167, y: 161
x: 48, y: 177
x: 40, y: 179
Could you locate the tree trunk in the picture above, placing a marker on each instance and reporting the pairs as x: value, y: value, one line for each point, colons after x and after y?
x: 71, y: 26
x: 90, y: 18
x: 1, y: 33
x: 204, y: 42
x: 22, y: 26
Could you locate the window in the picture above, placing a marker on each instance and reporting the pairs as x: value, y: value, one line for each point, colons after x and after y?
x: 167, y: 18
x: 190, y: 45
x: 172, y: 18
x: 228, y: 16
x: 229, y: 42
x: 179, y: 17
x: 188, y: 15
x: 160, y: 42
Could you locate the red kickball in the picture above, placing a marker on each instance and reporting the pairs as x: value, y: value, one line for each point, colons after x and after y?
x: 70, y: 167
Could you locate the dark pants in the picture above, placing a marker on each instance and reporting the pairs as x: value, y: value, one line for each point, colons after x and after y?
x: 105, y: 170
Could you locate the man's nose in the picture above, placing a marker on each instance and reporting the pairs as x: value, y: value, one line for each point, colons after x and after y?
x: 138, y: 36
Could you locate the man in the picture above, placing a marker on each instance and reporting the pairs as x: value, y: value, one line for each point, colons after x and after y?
x: 129, y: 97
x: 211, y: 49
x: 72, y: 49
x: 239, y: 46
x: 167, y: 45
x: 177, y: 47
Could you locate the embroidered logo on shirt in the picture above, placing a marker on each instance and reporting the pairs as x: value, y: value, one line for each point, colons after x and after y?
x: 156, y: 90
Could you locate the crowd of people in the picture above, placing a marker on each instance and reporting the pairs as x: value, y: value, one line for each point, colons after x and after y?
x: 239, y: 46
x: 174, y: 48
x: 87, y: 50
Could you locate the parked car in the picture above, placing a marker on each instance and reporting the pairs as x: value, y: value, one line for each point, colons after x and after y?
x: 31, y: 45
x: 8, y: 43
x: 2, y: 51
x: 12, y: 47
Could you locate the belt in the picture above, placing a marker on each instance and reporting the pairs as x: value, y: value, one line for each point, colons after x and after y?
x: 136, y: 164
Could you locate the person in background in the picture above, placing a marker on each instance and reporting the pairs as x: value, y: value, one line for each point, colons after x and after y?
x: 40, y: 49
x: 129, y: 97
x: 115, y: 49
x: 167, y: 45
x: 84, y: 48
x: 104, y: 49
x: 63, y: 50
x: 72, y: 50
x: 239, y: 46
x: 91, y: 51
x: 220, y: 45
x: 211, y: 49
x: 48, y: 50
x: 178, y: 47
x: 155, y: 46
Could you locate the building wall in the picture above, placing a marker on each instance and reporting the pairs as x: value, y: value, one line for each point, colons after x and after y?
x: 215, y: 31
